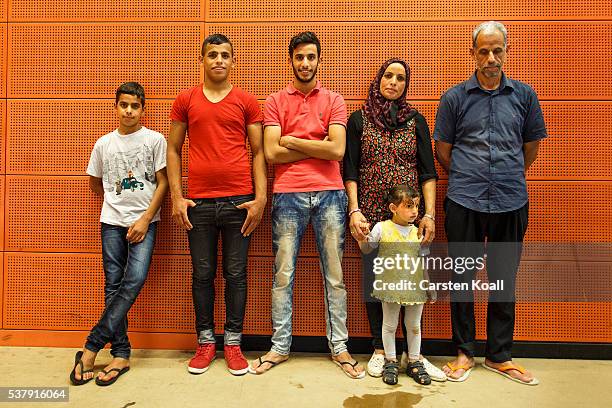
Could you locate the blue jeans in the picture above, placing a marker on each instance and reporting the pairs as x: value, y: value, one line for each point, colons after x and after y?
x: 125, y: 270
x: 291, y: 213
x: 210, y: 217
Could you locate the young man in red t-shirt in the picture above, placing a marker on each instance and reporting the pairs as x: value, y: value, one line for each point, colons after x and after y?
x: 218, y: 117
x: 305, y: 136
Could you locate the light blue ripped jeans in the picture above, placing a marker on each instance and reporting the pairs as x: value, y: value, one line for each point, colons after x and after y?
x: 291, y: 213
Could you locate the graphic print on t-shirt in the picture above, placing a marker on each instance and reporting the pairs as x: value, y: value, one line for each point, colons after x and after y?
x: 124, y: 170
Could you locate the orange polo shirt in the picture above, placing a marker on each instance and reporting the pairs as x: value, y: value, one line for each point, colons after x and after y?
x: 307, y: 117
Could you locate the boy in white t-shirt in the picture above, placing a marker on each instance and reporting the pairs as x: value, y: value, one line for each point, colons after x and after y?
x: 128, y: 168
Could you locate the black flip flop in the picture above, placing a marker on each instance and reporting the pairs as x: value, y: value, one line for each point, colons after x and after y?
x: 261, y: 362
x: 353, y: 365
x: 120, y: 372
x: 78, y: 362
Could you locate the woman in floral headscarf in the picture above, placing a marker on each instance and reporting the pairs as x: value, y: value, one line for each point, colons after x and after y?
x: 388, y: 143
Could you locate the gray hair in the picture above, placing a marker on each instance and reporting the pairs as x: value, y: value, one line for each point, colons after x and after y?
x: 490, y: 26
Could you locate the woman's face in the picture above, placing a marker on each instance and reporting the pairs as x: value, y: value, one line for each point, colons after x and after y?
x: 393, y: 81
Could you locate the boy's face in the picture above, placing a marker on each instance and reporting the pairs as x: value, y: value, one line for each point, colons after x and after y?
x: 218, y: 62
x: 129, y: 110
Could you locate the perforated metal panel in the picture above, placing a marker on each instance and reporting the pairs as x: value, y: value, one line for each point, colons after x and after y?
x: 3, y: 60
x: 44, y: 136
x: 53, y: 301
x: 554, y: 218
x: 2, y: 209
x: 86, y: 61
x: 578, y: 132
x: 108, y: 10
x: 2, y: 134
x: 388, y: 10
x: 573, y: 322
x: 348, y: 64
x: 63, y: 209
x: 91, y: 60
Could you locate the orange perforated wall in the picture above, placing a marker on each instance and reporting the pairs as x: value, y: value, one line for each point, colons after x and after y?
x: 62, y: 60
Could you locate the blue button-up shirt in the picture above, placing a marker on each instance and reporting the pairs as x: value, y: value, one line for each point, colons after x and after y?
x: 487, y: 130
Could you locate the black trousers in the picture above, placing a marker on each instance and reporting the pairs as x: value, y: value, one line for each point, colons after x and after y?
x: 466, y: 231
x: 210, y: 217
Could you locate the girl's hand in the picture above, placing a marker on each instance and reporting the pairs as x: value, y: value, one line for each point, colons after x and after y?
x: 432, y: 296
x: 427, y: 230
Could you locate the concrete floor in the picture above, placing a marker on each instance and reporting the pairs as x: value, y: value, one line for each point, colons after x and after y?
x: 159, y: 378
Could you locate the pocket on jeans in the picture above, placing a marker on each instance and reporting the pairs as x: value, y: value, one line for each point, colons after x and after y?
x: 239, y: 200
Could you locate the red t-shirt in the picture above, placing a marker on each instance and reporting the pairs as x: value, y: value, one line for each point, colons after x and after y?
x: 307, y: 117
x: 218, y: 162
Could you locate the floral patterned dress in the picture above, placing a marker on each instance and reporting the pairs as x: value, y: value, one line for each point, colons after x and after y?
x: 388, y: 158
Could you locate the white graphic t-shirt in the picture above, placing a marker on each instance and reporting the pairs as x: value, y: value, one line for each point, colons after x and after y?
x: 127, y: 166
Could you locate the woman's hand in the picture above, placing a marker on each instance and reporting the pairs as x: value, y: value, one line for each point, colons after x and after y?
x: 359, y: 226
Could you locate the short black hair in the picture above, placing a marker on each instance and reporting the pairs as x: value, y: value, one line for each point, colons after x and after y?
x: 400, y: 193
x: 306, y: 37
x: 130, y: 88
x: 216, y: 39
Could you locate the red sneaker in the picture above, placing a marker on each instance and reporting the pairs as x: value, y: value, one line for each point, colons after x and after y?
x: 236, y: 363
x: 204, y: 355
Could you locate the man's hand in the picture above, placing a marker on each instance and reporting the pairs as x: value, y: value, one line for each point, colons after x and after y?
x: 255, y: 209
x: 179, y: 212
x: 286, y: 141
x: 427, y: 230
x: 137, y: 231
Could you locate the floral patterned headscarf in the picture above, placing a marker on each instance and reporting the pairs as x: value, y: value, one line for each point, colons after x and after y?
x: 382, y: 112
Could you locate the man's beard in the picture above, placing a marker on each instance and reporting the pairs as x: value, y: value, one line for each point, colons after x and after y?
x: 305, y: 81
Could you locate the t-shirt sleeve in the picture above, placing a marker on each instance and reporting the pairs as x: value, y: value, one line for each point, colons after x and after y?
x: 426, y: 169
x: 338, y: 111
x: 271, y: 115
x: 352, y: 155
x: 253, y: 112
x: 375, y: 235
x: 94, y: 168
x: 444, y: 130
x: 159, y: 153
x: 534, y: 127
x: 179, y: 108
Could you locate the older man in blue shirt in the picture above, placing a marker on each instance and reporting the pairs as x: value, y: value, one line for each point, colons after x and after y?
x: 487, y: 134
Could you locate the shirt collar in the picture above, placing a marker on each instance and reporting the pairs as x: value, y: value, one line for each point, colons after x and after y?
x: 291, y: 89
x: 472, y: 83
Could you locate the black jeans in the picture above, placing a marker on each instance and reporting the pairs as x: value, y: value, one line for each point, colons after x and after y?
x: 210, y: 217
x: 466, y: 231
